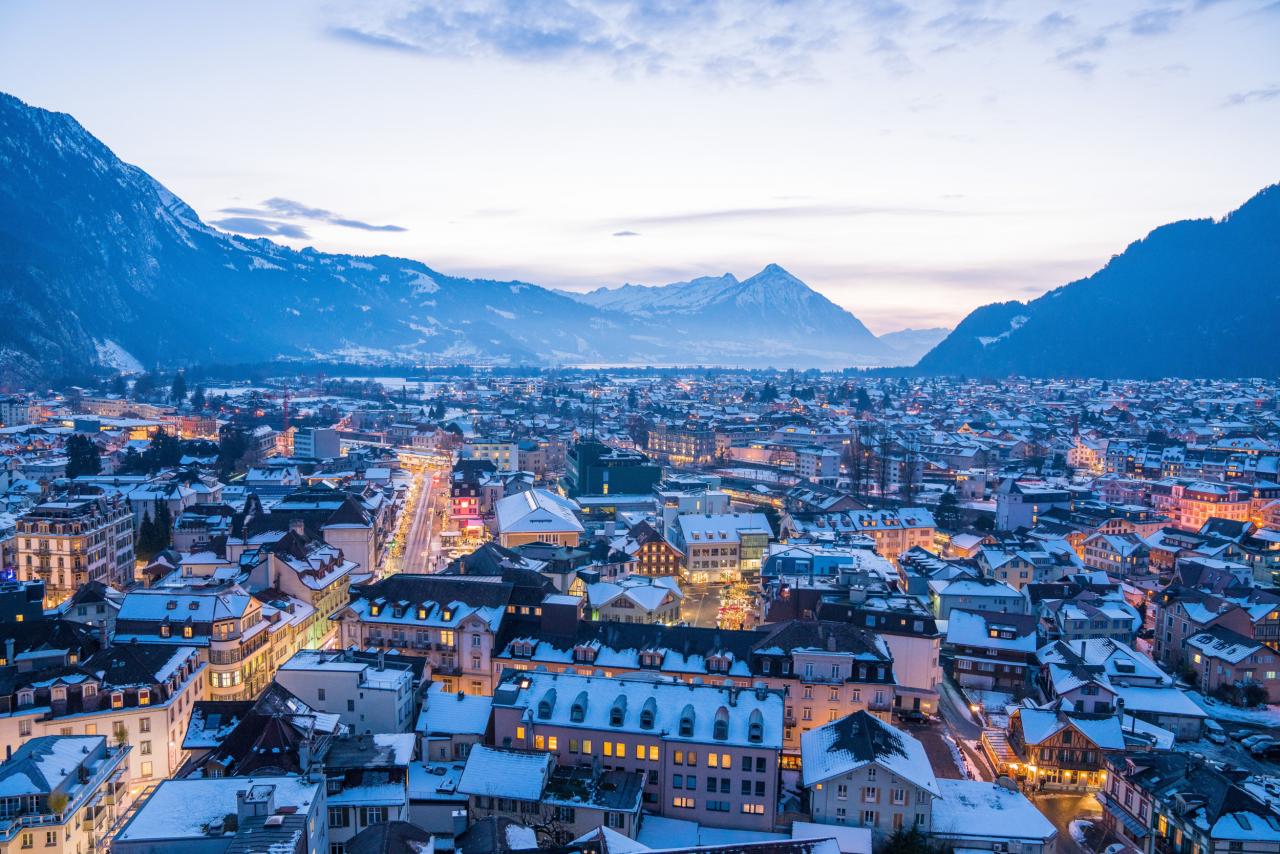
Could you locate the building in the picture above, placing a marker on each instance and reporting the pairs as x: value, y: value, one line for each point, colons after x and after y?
x: 993, y: 651
x: 369, y: 693
x: 893, y: 532
x: 504, y: 455
x: 721, y: 547
x: 451, y: 723
x: 683, y: 444
x: 61, y: 794
x: 139, y: 694
x: 1019, y: 504
x: 708, y: 753
x: 230, y: 815
x: 823, y: 670
x: 862, y: 772
x: 241, y: 638
x: 537, y: 516
x: 1120, y: 555
x: 594, y: 468
x: 1225, y: 661
x: 558, y: 803
x: 74, y: 539
x: 972, y: 815
x: 635, y: 599
x: 653, y: 553
x: 317, y: 443
x: 974, y: 594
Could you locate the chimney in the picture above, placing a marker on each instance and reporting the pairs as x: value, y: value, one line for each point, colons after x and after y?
x: 382, y: 659
x: 298, y: 526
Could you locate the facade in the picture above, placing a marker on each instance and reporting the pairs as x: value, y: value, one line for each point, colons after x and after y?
x: 61, y: 794
x: 862, y: 772
x: 993, y: 651
x: 653, y: 554
x: 141, y: 695
x: 721, y: 547
x: 317, y: 443
x: 594, y: 468
x: 974, y: 594
x: 537, y: 516
x: 1019, y: 505
x: 73, y: 540
x: 368, y: 696
x: 1225, y: 660
x: 707, y: 753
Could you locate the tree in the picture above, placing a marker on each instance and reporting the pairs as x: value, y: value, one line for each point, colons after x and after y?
x: 197, y: 398
x: 83, y: 456
x: 147, y: 545
x: 861, y: 400
x: 144, y: 385
x: 232, y: 447
x: 178, y: 390
x: 164, y: 526
x: 908, y: 841
x: 948, y: 513
x: 118, y: 386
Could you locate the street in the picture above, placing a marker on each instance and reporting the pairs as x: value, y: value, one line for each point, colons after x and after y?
x: 421, y: 543
x: 701, y: 605
x: 1062, y: 809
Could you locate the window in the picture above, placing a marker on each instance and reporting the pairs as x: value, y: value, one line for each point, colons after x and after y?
x: 540, y: 743
x: 869, y: 818
x: 337, y: 817
x: 144, y: 748
x: 682, y: 803
x: 28, y: 840
x: 753, y: 809
x: 653, y: 753
x: 713, y: 760
x: 677, y: 782
x: 50, y: 838
x: 146, y: 769
x: 842, y: 792
x: 553, y: 743
x: 24, y: 728
x: 144, y: 725
x: 870, y: 794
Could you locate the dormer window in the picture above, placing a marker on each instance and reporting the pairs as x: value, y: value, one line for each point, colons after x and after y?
x: 686, y: 722
x: 144, y: 696
x: 58, y: 693
x: 446, y: 615
x: 187, y: 631
x: 647, y: 713
x: 755, y: 727
x: 422, y: 612
x: 117, y: 699
x: 720, y: 727
x: 165, y: 630
x: 90, y: 690
x: 26, y: 698
x: 578, y: 711
x: 618, y: 711
x: 547, y: 704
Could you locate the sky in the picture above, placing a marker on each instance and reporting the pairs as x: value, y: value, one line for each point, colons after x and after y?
x: 910, y: 159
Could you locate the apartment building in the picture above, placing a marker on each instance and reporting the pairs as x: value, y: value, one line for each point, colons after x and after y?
x: 62, y: 794
x: 708, y: 753
x: 721, y: 547
x: 136, y: 694
x: 993, y: 651
x: 862, y: 772
x: 537, y: 516
x: 76, y: 538
x: 241, y: 638
x: 892, y: 532
x: 1225, y: 660
x: 823, y: 670
x: 368, y: 693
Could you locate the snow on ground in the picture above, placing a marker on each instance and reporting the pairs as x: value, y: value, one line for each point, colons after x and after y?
x: 112, y: 355
x: 1266, y: 716
x: 1078, y: 829
x: 957, y: 756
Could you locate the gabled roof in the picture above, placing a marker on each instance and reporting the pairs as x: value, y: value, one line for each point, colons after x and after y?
x: 861, y: 739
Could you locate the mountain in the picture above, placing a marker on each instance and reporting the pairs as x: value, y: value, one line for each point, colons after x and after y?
x: 772, y: 314
x: 911, y: 344
x: 103, y: 266
x: 1197, y: 298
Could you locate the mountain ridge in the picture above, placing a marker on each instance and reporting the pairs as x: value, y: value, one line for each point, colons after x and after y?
x: 103, y: 264
x: 1195, y: 298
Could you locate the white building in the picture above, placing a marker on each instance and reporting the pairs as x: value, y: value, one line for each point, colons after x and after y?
x: 368, y: 696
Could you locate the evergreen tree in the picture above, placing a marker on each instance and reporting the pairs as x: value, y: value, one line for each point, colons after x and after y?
x: 83, y: 456
x: 145, y: 548
x: 948, y: 512
x: 164, y: 526
x: 144, y: 386
x: 178, y: 390
x: 861, y: 400
x: 197, y: 398
x: 118, y: 386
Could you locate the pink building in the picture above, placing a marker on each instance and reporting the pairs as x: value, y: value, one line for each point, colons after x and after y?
x: 709, y: 753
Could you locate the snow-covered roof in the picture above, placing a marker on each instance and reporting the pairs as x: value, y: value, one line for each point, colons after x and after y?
x: 975, y: 809
x: 453, y: 713
x: 505, y: 773
x: 862, y: 739
x: 184, y: 809
x: 536, y: 511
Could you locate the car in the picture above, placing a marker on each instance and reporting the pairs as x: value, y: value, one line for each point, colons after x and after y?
x: 1271, y: 751
x: 1213, y: 731
x: 1253, y: 739
x: 1258, y: 748
x: 912, y: 716
x: 1238, y: 734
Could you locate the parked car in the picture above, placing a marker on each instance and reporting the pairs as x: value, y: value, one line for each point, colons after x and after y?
x: 1270, y: 751
x: 1238, y: 734
x: 912, y: 716
x: 1214, y: 732
x: 1261, y: 746
x: 1249, y: 742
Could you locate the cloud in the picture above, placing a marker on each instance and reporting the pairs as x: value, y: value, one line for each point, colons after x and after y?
x: 1252, y: 96
x: 1054, y: 23
x: 1154, y: 22
x: 260, y: 227
x: 626, y: 234
x: 787, y: 212
x: 281, y: 208
x: 734, y: 41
